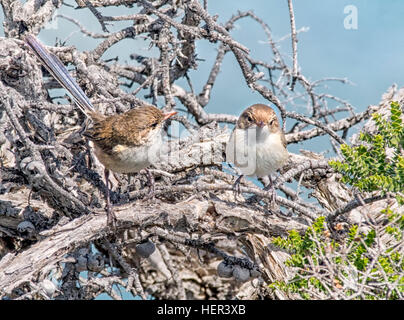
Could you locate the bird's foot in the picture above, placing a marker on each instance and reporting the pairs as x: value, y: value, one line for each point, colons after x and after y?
x: 151, y: 194
x: 270, y: 188
x: 273, y: 196
x: 111, y: 217
x: 236, y: 187
x: 272, y: 199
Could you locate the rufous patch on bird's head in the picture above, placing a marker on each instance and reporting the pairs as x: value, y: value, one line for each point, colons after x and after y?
x: 258, y: 115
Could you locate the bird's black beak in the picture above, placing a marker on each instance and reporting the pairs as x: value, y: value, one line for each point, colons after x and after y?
x: 261, y: 124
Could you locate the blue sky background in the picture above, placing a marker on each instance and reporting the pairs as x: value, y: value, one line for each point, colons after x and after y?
x: 371, y: 57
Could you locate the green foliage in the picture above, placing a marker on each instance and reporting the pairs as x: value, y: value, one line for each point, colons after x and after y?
x: 323, y: 266
x: 357, y: 266
x: 305, y: 250
x: 299, y: 245
x: 367, y: 167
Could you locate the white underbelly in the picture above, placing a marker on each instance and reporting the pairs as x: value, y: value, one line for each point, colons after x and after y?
x: 131, y: 159
x: 255, y: 158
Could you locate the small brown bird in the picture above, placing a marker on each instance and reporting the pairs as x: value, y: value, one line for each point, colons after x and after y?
x: 123, y: 143
x: 257, y: 145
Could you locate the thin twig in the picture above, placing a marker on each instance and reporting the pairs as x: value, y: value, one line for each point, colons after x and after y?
x: 294, y: 44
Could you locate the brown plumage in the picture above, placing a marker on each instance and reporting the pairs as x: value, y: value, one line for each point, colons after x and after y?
x: 124, y: 143
x: 257, y: 145
x: 129, y: 129
x: 260, y: 115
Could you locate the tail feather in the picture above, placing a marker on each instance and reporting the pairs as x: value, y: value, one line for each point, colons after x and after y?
x: 60, y: 73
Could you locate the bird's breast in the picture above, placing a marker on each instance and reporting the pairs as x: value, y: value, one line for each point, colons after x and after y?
x: 256, y: 154
x: 131, y: 158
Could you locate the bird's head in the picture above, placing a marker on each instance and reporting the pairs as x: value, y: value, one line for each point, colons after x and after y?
x: 258, y: 116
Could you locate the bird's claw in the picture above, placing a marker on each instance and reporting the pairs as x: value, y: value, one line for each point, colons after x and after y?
x: 111, y: 217
x: 151, y: 194
x: 236, y: 187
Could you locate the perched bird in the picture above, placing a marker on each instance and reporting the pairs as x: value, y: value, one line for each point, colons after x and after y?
x: 123, y: 143
x: 257, y: 145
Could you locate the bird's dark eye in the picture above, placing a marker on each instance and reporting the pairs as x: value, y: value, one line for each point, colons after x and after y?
x: 249, y: 119
x: 154, y: 124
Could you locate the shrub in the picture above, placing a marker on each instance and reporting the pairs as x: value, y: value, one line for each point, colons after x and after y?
x: 364, y: 264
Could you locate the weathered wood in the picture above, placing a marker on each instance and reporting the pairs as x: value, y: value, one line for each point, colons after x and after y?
x: 55, y: 243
